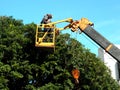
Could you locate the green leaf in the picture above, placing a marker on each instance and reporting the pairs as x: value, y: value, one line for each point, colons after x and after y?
x: 17, y: 74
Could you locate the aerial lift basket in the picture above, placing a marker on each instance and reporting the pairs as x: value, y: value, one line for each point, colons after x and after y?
x: 45, y: 39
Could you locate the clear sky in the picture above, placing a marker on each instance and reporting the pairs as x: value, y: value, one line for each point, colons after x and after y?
x: 105, y: 14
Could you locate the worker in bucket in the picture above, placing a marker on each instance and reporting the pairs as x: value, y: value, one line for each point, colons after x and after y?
x: 47, y: 19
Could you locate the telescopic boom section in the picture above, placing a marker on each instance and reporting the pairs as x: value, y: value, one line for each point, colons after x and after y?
x: 85, y: 26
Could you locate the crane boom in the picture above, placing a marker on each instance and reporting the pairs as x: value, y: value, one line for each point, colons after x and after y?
x: 85, y: 26
x: 103, y: 42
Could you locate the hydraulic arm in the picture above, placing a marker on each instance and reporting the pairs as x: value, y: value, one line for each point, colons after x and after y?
x: 85, y: 26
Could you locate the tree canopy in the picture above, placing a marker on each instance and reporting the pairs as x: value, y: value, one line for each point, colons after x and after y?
x: 26, y: 67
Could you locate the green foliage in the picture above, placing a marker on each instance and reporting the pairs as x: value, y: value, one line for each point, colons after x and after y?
x: 3, y: 85
x: 49, y: 86
x: 25, y: 67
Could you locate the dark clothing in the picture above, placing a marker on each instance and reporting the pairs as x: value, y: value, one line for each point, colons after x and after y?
x: 46, y: 20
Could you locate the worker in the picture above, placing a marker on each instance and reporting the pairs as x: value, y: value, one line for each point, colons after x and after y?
x: 47, y: 19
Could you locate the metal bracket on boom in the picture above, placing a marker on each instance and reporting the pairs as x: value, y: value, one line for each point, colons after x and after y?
x: 81, y: 24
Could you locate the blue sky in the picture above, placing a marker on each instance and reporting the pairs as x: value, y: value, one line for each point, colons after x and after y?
x: 105, y: 14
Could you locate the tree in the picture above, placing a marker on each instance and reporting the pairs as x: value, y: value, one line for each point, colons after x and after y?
x: 26, y: 67
x: 70, y: 54
x: 16, y: 68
